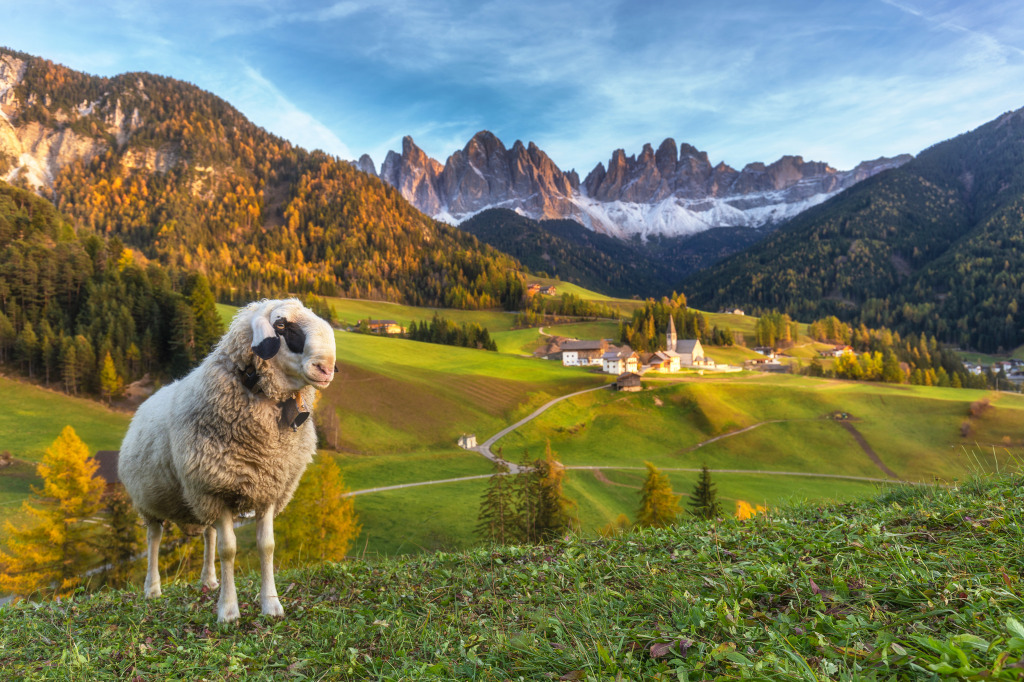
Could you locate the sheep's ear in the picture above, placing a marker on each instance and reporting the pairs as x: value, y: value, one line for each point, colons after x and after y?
x: 265, y: 341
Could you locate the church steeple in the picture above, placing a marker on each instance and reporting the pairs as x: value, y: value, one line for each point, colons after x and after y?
x: 670, y: 338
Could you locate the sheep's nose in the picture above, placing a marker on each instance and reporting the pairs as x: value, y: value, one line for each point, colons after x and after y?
x: 326, y: 370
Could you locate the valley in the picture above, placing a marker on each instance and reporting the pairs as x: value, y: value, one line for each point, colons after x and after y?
x: 401, y: 406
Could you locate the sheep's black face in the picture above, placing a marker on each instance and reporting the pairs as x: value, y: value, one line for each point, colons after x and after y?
x: 292, y: 333
x: 307, y: 354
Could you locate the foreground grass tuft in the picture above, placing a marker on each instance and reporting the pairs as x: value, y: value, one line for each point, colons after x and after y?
x: 919, y: 584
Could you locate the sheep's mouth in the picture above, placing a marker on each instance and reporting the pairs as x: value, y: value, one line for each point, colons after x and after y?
x: 321, y: 384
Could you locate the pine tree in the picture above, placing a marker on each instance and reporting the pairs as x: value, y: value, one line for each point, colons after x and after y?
x: 496, y: 519
x: 122, y: 537
x: 320, y: 523
x: 704, y: 502
x: 51, y: 552
x: 659, y: 506
x: 553, y: 517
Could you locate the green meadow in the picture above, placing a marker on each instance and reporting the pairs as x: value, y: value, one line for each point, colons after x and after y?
x: 402, y: 405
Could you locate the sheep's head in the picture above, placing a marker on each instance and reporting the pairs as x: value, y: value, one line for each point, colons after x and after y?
x: 293, y: 338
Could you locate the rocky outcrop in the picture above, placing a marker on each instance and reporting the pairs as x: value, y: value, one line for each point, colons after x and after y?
x: 35, y: 153
x: 674, y: 190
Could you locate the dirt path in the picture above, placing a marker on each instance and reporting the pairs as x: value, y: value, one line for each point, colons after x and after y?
x: 734, y: 433
x: 868, y: 450
x: 764, y: 472
x: 599, y: 475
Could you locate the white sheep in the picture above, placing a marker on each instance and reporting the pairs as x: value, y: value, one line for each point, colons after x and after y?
x: 230, y: 438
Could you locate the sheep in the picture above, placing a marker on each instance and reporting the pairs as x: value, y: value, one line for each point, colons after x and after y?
x: 230, y: 438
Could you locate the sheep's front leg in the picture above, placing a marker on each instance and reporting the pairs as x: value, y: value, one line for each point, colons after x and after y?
x: 154, y: 533
x: 269, y: 602
x: 227, y: 605
x: 208, y: 579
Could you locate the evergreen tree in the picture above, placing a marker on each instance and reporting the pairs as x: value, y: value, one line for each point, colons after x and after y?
x: 320, y: 523
x: 704, y: 502
x: 51, y: 552
x: 208, y: 325
x: 122, y: 537
x: 554, y: 517
x: 496, y: 520
x: 659, y: 506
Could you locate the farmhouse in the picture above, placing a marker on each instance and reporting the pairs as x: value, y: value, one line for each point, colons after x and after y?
x: 467, y: 441
x: 628, y: 381
x: 619, y: 360
x: 836, y: 351
x: 583, y: 353
x: 385, y: 327
x: 663, y: 361
x: 548, y: 290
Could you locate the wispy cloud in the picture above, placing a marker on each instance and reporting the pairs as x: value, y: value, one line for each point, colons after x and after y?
x: 267, y: 106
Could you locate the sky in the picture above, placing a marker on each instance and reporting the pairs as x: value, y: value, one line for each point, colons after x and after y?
x: 839, y: 81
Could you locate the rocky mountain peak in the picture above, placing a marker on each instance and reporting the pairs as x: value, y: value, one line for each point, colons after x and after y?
x: 671, y: 190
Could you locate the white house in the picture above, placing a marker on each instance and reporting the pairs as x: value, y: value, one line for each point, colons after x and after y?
x: 467, y: 441
x: 619, y: 360
x: 583, y: 353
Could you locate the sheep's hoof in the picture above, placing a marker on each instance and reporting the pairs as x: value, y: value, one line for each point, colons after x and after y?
x: 210, y: 584
x: 272, y: 607
x: 153, y: 592
x: 227, y: 614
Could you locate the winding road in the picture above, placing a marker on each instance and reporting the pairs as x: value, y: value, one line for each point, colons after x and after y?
x: 485, y: 450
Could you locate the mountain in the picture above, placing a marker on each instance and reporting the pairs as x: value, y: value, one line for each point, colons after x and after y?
x: 935, y: 246
x: 674, y: 191
x: 183, y: 178
x: 620, y: 267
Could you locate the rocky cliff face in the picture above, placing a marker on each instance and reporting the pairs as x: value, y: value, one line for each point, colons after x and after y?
x: 673, y: 191
x: 35, y: 153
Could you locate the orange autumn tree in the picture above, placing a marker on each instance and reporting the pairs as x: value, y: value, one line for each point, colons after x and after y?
x: 320, y: 523
x: 50, y: 552
x: 745, y: 510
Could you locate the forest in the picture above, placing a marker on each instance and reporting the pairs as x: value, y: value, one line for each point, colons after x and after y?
x: 935, y: 247
x: 186, y: 180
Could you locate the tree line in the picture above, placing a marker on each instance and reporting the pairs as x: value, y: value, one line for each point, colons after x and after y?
x: 81, y: 312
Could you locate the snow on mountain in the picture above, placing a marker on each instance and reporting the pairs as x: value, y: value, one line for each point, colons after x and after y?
x: 674, y: 191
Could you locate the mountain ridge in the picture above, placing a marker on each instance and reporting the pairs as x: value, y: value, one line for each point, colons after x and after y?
x: 935, y: 246
x: 673, y: 191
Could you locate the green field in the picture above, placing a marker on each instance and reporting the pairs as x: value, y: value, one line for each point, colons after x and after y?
x: 402, y: 405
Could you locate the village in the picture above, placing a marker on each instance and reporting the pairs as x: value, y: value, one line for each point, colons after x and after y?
x: 627, y: 364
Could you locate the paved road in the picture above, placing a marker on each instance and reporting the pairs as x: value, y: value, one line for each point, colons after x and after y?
x: 485, y: 448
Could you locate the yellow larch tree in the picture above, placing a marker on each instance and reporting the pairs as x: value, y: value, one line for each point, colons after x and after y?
x: 659, y: 506
x: 50, y: 552
x: 320, y: 523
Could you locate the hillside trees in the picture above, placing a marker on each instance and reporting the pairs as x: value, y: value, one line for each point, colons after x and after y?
x: 68, y: 302
x: 320, y: 523
x: 51, y: 551
x: 659, y: 506
x: 704, y: 502
x: 189, y: 182
x: 444, y: 331
x: 646, y: 330
x: 497, y: 520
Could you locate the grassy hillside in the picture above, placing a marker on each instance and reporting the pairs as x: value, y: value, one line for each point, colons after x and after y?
x: 915, y: 431
x: 919, y: 584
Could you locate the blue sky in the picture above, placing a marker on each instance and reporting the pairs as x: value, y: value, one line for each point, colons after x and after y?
x: 832, y: 80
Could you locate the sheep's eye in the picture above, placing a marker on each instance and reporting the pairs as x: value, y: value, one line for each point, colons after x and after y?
x: 294, y: 337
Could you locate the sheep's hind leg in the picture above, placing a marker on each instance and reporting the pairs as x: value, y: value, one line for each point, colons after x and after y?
x: 269, y: 602
x: 154, y: 532
x: 208, y: 579
x: 227, y: 605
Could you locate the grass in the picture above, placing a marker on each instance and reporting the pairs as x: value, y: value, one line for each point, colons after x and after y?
x: 915, y: 431
x: 918, y: 584
x: 32, y: 417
